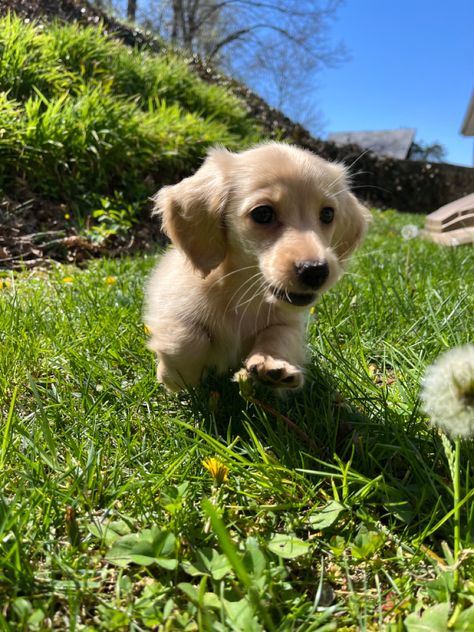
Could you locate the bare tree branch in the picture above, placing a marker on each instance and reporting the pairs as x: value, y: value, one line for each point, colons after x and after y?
x: 275, y: 47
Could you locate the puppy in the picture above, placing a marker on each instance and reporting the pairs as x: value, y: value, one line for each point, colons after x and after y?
x: 258, y: 236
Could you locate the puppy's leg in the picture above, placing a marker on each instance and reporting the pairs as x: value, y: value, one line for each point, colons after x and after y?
x: 277, y: 357
x: 182, y: 352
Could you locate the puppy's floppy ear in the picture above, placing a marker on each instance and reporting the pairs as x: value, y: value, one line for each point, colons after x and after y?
x: 192, y: 212
x: 351, y: 226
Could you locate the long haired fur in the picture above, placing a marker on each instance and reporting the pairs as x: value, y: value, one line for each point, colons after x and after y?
x: 258, y: 237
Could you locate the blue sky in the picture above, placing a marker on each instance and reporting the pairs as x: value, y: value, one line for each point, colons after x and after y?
x: 411, y: 65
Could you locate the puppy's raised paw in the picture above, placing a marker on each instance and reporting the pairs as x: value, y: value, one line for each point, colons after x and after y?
x: 273, y: 372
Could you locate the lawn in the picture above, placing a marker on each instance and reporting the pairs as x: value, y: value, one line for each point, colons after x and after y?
x: 126, y: 508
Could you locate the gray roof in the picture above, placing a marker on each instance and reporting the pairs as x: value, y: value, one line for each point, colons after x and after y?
x: 394, y: 143
x: 468, y: 123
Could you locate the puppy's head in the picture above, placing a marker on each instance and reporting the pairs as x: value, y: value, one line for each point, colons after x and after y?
x: 276, y: 207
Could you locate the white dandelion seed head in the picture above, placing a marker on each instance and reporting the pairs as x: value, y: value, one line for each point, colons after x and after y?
x: 448, y: 392
x: 410, y: 231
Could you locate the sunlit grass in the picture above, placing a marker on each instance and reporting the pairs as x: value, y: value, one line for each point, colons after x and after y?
x: 104, y: 517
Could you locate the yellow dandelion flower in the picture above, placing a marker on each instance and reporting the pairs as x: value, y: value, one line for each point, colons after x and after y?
x: 68, y: 280
x: 110, y: 280
x: 67, y: 216
x: 312, y: 310
x: 217, y: 469
x: 147, y: 330
x: 5, y: 283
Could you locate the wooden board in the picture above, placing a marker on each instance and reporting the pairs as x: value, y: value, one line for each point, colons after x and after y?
x: 452, y: 224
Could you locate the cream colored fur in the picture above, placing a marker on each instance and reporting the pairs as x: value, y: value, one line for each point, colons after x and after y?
x: 221, y: 295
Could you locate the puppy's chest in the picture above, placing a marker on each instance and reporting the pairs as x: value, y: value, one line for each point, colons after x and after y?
x: 234, y: 334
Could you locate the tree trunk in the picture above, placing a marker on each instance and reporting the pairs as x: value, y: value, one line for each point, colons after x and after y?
x: 131, y: 10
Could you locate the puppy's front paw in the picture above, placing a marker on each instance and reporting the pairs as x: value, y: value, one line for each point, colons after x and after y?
x: 273, y: 372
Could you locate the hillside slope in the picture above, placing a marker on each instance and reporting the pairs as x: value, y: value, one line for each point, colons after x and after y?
x: 91, y: 129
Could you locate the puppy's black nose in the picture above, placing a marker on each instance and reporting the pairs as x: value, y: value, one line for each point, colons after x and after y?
x: 312, y: 273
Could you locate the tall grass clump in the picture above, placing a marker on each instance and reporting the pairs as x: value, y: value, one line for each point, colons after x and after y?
x: 84, y: 114
x: 28, y: 60
x: 145, y: 75
x: 10, y: 132
x: 100, y: 143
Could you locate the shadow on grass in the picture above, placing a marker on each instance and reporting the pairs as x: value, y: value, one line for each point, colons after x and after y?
x: 319, y: 430
x: 314, y: 421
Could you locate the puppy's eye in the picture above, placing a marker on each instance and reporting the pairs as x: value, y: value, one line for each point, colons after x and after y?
x: 326, y: 214
x: 263, y: 214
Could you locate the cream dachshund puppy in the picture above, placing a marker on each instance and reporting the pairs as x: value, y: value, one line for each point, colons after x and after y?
x: 258, y: 236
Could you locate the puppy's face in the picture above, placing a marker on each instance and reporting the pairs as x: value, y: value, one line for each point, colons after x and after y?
x: 276, y: 208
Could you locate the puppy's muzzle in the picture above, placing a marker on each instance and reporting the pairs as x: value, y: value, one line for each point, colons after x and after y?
x: 312, y: 274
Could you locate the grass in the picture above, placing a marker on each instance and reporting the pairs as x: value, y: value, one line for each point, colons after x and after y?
x: 110, y: 521
x: 82, y: 116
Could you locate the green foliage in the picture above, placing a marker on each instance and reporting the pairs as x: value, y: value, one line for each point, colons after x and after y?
x: 108, y: 516
x: 113, y: 217
x: 80, y: 113
x: 150, y: 546
x: 10, y: 132
x: 28, y: 61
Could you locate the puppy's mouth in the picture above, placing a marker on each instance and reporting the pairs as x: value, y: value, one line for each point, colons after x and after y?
x: 294, y: 298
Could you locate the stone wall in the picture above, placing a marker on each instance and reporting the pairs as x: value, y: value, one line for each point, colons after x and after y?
x: 412, y: 186
x: 406, y: 185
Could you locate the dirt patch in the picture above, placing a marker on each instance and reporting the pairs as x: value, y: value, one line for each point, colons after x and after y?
x: 36, y: 232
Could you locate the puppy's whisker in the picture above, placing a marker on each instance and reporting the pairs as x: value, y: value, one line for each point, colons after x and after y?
x: 328, y: 189
x: 270, y: 310
x: 245, y: 288
x: 370, y: 186
x: 351, y: 176
x: 225, y: 276
x: 240, y: 288
x: 247, y: 291
x: 359, y: 186
x: 255, y: 291
x: 278, y: 287
x: 348, y: 178
x: 356, y: 160
x: 346, y: 175
x: 335, y: 246
x: 260, y: 292
x: 344, y: 190
x: 263, y: 291
x: 249, y: 300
